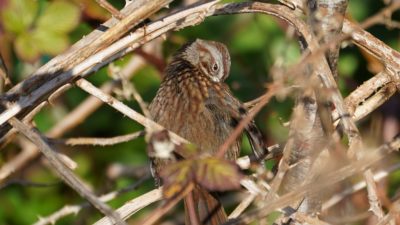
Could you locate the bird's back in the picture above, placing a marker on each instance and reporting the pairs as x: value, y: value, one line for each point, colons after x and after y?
x: 201, y: 119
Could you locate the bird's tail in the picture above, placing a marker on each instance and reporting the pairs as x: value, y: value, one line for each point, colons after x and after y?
x: 207, y: 208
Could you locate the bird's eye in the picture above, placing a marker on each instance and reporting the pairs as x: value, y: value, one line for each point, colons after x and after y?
x: 215, y: 67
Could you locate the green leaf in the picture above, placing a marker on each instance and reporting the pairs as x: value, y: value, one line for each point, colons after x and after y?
x: 19, y: 15
x: 26, y: 48
x: 49, y: 42
x: 176, y: 177
x: 218, y: 174
x: 59, y: 17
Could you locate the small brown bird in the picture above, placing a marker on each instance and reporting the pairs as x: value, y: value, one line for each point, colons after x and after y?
x: 194, y: 102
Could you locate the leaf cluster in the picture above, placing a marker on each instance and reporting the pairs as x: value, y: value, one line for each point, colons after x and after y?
x: 39, y: 28
x: 212, y: 173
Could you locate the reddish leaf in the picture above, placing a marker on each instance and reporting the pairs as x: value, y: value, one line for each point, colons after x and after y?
x: 187, y: 151
x: 217, y: 174
x: 176, y: 177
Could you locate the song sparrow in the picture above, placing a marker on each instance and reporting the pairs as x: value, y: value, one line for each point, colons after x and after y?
x: 194, y: 102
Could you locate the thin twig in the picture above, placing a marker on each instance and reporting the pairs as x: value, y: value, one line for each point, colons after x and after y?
x: 134, y: 205
x: 376, y: 87
x: 114, y: 51
x: 140, y: 101
x: 329, y: 179
x: 302, y: 218
x: 246, y: 120
x: 374, y: 202
x: 193, y: 219
x: 394, y: 211
x: 339, y: 113
x: 110, y: 8
x: 129, y: 90
x: 158, y: 213
x: 357, y: 187
x: 99, y: 141
x: 73, y: 119
x: 186, y: 18
x: 4, y: 76
x: 244, y: 204
x: 121, y: 107
x: 28, y: 183
x: 74, y: 209
x: 92, y: 43
x: 66, y: 174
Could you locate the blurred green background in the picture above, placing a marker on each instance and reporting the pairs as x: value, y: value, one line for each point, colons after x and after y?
x: 32, y: 32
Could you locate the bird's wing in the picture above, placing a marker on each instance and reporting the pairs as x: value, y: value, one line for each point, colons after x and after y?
x: 256, y: 138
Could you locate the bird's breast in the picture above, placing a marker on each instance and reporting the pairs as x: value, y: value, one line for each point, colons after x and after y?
x: 194, y: 116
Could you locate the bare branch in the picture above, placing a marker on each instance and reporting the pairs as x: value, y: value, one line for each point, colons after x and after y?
x: 77, y: 116
x: 134, y: 205
x: 329, y: 179
x: 74, y: 209
x: 114, y: 51
x: 159, y: 212
x: 66, y: 174
x: 99, y: 141
x: 358, y: 105
x: 358, y: 186
x: 4, y: 78
x: 244, y: 204
x: 92, y: 43
x: 394, y: 211
x: 326, y: 20
x: 246, y: 120
x: 157, y: 28
x: 149, y: 124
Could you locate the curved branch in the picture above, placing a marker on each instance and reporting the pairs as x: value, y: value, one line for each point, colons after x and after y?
x: 187, y: 17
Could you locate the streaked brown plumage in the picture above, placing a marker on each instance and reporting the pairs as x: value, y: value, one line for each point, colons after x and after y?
x: 193, y: 102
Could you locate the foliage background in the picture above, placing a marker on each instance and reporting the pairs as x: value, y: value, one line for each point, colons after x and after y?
x: 31, y: 32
